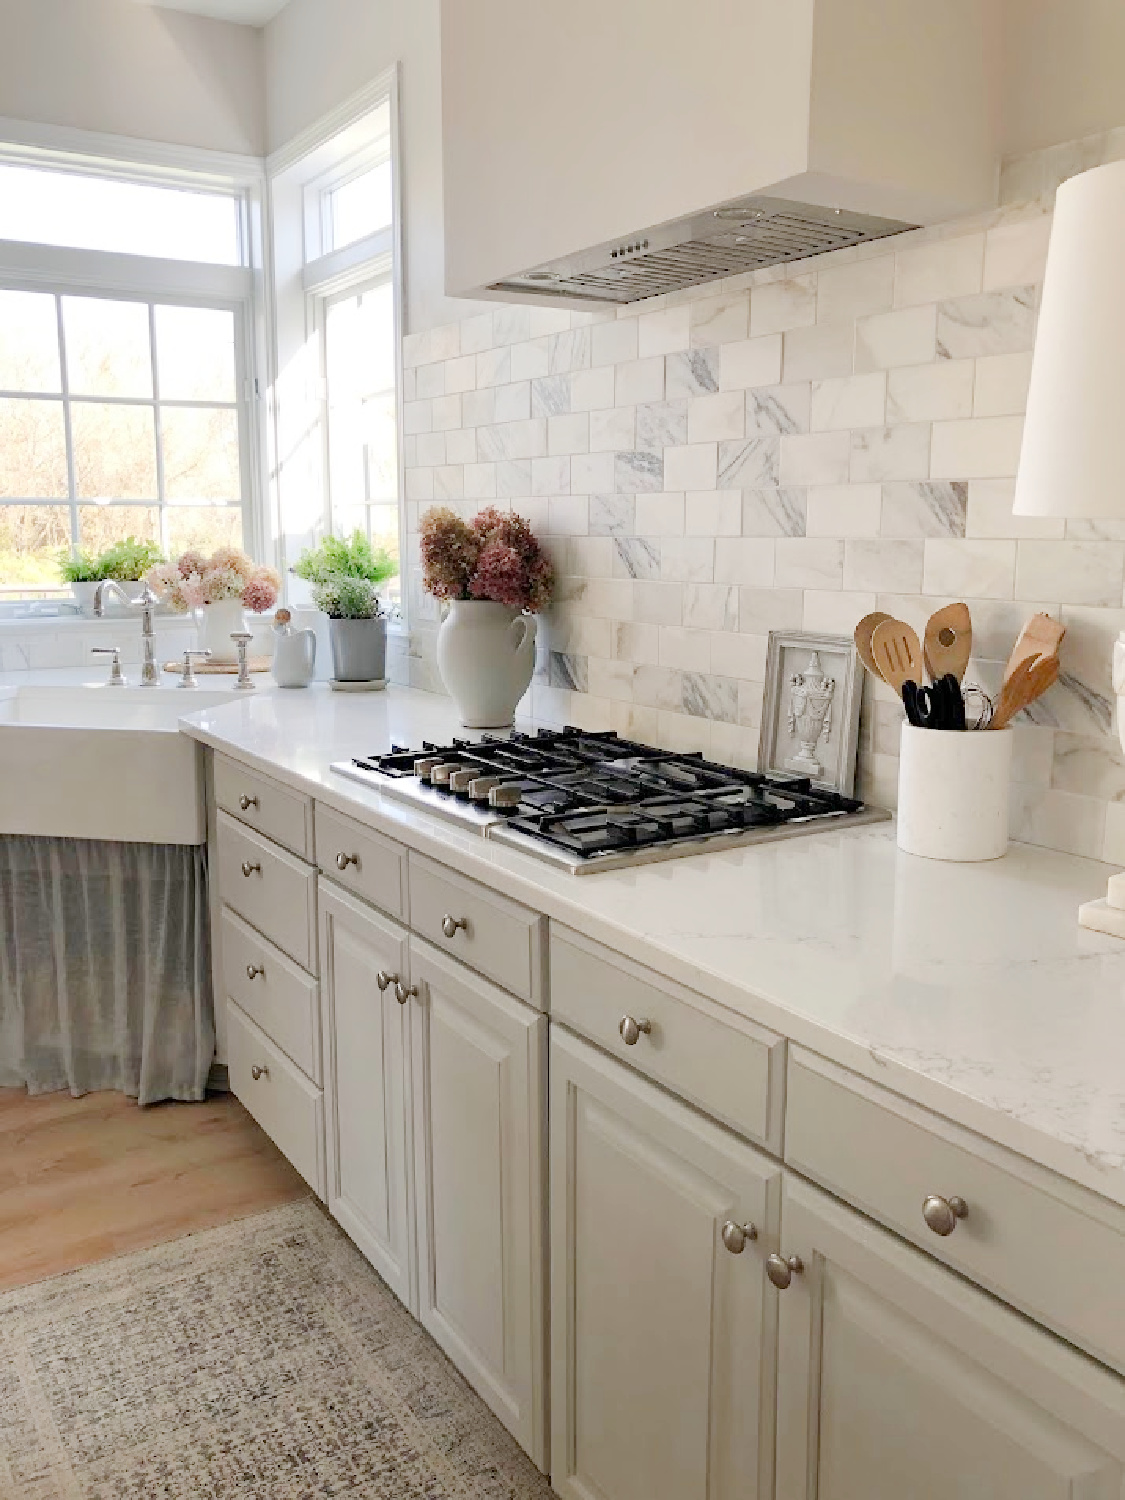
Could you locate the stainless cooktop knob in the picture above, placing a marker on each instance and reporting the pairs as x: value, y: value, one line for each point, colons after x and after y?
x: 507, y: 794
x: 461, y: 780
x: 441, y: 773
x: 423, y: 767
x: 480, y: 787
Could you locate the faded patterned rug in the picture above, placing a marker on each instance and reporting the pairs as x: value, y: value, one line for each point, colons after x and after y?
x: 263, y: 1359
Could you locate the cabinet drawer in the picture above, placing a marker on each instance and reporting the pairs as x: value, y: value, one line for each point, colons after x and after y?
x: 1048, y: 1247
x: 493, y: 935
x: 282, y: 815
x: 729, y: 1067
x: 273, y: 891
x: 274, y: 992
x: 285, y: 1104
x: 373, y: 867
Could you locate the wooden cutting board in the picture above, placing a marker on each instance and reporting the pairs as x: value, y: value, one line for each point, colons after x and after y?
x: 219, y: 668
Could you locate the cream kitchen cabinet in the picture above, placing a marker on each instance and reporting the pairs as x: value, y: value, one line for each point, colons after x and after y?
x: 897, y: 1378
x: 663, y: 1325
x: 365, y: 1023
x: 479, y: 1065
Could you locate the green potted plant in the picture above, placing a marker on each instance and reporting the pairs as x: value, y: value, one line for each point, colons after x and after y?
x: 83, y: 574
x: 126, y: 562
x: 346, y: 574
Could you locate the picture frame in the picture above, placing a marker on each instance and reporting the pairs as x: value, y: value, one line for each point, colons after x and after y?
x: 810, y: 708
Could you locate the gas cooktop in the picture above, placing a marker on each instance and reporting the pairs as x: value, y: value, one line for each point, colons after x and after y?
x: 597, y: 802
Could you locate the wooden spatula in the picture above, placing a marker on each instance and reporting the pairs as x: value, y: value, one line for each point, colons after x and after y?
x: 948, y: 642
x: 1039, y: 637
x: 1030, y: 680
x: 897, y: 653
x: 863, y: 633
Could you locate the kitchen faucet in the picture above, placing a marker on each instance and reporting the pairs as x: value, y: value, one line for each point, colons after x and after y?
x: 146, y: 603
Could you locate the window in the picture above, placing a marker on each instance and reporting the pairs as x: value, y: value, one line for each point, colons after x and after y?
x: 46, y: 206
x: 117, y: 418
x: 358, y: 207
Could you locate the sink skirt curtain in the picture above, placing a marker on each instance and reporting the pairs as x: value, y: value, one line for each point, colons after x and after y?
x: 105, y: 979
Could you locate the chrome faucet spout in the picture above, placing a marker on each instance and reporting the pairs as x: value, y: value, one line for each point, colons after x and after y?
x: 146, y: 603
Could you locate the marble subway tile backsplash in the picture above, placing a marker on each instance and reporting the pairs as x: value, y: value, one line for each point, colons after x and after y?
x: 788, y: 449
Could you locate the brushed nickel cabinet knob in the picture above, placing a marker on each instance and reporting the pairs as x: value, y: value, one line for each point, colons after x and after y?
x: 631, y: 1030
x: 781, y: 1269
x: 941, y: 1214
x: 385, y: 980
x: 735, y: 1236
x: 249, y: 869
x: 253, y: 970
x: 246, y: 803
x: 404, y: 992
x: 344, y: 860
x: 259, y: 1071
x: 451, y: 926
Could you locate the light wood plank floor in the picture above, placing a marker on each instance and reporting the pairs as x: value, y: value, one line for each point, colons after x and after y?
x: 84, y: 1179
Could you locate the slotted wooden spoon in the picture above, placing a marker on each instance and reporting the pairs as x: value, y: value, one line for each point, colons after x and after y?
x: 863, y: 633
x: 1030, y: 680
x: 897, y: 653
x: 1039, y: 637
x: 948, y: 642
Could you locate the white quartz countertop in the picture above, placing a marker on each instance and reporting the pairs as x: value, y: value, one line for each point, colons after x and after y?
x: 970, y: 989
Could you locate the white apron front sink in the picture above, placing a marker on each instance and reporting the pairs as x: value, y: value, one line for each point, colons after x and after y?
x: 92, y: 762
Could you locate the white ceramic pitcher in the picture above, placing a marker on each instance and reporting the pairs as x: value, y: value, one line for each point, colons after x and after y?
x: 294, y: 653
x: 486, y: 656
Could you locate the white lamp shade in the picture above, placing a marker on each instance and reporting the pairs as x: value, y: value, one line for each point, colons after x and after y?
x: 1073, y: 458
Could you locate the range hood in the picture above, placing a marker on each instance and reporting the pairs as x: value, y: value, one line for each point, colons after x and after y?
x: 724, y: 241
x: 608, y: 151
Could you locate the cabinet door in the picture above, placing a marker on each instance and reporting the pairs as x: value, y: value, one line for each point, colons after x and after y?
x: 898, y: 1378
x: 663, y: 1342
x: 479, y: 1070
x: 366, y: 1084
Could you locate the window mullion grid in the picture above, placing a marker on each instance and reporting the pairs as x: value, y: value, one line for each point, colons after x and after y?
x: 68, y: 430
x: 158, y: 430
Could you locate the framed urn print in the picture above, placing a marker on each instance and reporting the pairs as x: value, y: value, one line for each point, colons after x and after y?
x: 810, y: 712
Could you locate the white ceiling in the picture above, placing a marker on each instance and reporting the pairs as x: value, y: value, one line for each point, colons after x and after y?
x: 248, y: 12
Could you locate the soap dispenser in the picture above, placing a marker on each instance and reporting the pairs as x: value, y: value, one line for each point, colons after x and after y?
x: 294, y: 652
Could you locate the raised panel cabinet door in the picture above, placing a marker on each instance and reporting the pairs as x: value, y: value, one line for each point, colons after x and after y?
x: 897, y: 1378
x: 365, y: 1024
x: 663, y: 1328
x: 479, y: 1061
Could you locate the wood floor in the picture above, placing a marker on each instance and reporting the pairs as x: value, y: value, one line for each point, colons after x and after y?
x: 84, y: 1179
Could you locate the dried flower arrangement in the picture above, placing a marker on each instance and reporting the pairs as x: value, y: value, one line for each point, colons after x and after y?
x: 193, y: 581
x: 494, y: 556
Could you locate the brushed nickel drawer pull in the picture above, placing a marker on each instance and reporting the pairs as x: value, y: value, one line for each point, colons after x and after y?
x: 781, y: 1269
x: 259, y: 1070
x: 403, y: 992
x: 246, y: 802
x: 253, y: 970
x: 735, y: 1236
x: 451, y: 926
x: 631, y: 1030
x: 941, y: 1214
x: 249, y: 869
x: 344, y: 860
x: 385, y: 980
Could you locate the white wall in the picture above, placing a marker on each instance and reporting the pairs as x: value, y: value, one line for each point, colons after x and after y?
x: 1064, y: 64
x: 318, y: 53
x: 118, y: 67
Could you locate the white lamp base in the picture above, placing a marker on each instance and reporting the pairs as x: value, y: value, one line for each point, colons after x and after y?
x: 1108, y: 915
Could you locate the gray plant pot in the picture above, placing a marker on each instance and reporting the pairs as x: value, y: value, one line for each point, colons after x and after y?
x: 359, y: 649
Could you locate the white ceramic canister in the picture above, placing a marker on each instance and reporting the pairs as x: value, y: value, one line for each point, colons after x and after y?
x: 953, y: 793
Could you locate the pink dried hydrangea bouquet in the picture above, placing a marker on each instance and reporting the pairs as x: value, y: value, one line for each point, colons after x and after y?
x: 219, y: 588
x: 495, y: 576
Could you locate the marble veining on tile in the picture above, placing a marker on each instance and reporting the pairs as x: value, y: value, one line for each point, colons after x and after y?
x: 638, y: 471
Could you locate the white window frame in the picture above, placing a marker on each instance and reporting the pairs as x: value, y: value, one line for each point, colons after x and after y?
x: 64, y: 270
x: 334, y: 151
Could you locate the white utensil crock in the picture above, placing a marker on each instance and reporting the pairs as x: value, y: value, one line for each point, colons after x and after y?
x: 953, y: 793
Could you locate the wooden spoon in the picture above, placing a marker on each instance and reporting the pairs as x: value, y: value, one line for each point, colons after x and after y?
x: 948, y: 642
x: 1030, y: 680
x: 863, y: 633
x: 898, y: 653
x: 1039, y: 637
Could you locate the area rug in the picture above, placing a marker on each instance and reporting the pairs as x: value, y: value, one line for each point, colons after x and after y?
x: 264, y: 1359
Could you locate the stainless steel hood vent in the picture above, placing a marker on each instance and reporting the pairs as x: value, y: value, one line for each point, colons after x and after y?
x: 736, y: 237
